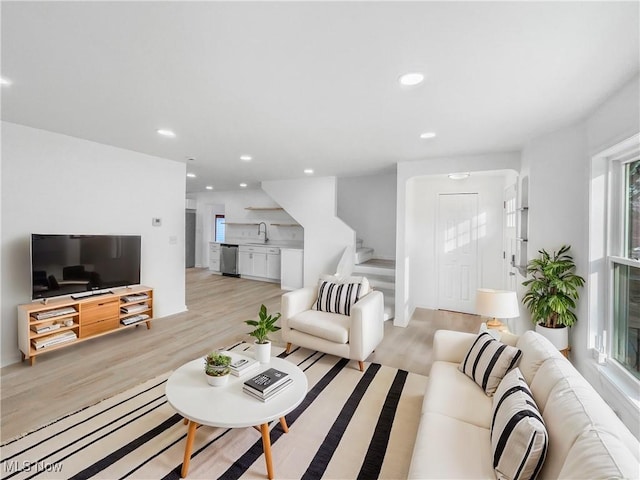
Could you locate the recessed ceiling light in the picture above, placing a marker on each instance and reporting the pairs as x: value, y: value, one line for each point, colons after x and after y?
x: 246, y: 158
x: 458, y: 176
x: 428, y: 135
x: 191, y: 175
x: 308, y: 171
x: 411, y: 79
x: 166, y: 133
x: 243, y: 185
x: 209, y: 187
x: 5, y: 82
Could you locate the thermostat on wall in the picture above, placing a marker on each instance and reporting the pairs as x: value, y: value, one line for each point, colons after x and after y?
x: 156, y: 222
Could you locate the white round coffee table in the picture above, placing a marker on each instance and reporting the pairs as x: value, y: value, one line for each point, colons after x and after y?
x: 199, y: 403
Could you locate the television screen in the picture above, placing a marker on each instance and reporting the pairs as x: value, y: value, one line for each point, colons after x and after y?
x: 68, y: 264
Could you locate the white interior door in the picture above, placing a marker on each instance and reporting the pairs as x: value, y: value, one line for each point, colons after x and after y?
x: 509, y: 234
x: 457, y: 244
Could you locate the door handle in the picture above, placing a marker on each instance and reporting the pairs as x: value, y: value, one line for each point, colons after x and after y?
x: 512, y: 274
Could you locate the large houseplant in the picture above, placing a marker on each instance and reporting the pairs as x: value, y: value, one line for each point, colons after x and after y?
x: 552, y: 294
x: 265, y: 325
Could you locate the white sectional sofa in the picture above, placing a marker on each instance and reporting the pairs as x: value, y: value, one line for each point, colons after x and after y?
x: 586, y: 440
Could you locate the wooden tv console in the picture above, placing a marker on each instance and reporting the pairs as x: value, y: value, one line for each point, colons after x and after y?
x: 89, y: 317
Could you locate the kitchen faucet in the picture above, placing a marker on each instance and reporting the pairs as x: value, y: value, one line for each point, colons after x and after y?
x: 265, y: 231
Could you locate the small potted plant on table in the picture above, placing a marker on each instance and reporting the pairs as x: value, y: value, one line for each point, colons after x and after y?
x: 216, y: 367
x: 552, y: 294
x: 263, y: 327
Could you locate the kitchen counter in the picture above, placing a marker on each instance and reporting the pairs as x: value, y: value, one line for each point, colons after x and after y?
x: 270, y: 243
x: 279, y: 261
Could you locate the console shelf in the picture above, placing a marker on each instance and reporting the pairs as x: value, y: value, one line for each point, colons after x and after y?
x: 93, y: 317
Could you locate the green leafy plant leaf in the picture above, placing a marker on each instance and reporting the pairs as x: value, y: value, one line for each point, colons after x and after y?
x: 265, y: 325
x: 553, y: 288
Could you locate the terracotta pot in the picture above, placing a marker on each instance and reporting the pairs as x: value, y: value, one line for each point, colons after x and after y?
x: 558, y: 336
x: 263, y: 352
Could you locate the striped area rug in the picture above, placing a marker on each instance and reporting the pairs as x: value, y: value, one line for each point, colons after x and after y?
x: 350, y: 425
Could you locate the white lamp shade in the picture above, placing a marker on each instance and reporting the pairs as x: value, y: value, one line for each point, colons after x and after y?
x: 497, y: 303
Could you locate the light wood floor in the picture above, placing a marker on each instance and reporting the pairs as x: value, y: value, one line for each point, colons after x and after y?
x: 72, y: 378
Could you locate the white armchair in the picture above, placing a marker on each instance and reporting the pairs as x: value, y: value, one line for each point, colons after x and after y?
x: 353, y: 336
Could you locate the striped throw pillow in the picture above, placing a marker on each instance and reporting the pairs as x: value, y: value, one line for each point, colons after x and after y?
x: 519, y: 437
x: 488, y: 360
x: 337, y: 297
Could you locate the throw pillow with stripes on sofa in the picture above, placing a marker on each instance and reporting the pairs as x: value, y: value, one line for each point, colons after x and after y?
x: 519, y: 437
x: 488, y: 360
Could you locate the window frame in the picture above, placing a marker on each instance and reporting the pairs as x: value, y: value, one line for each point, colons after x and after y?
x: 216, y: 217
x: 607, y: 209
x: 618, y: 253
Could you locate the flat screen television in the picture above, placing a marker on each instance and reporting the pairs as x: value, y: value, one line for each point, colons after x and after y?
x: 76, y: 264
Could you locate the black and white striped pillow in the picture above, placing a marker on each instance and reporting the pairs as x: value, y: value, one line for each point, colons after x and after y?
x: 488, y: 360
x: 519, y: 437
x: 337, y: 297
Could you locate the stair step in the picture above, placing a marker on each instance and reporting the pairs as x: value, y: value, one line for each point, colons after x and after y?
x: 381, y: 282
x: 363, y: 254
x: 383, y: 268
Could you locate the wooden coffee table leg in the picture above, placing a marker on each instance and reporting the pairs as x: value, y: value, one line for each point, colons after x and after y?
x: 191, y: 433
x: 283, y: 424
x: 266, y: 446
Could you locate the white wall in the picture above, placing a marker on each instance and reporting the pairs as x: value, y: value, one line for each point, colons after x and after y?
x: 558, y: 176
x: 233, y: 205
x: 559, y: 166
x: 368, y: 205
x: 312, y: 203
x: 405, y: 303
x: 422, y: 210
x: 53, y: 183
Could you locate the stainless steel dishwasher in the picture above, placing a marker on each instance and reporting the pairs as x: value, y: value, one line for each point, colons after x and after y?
x: 229, y: 260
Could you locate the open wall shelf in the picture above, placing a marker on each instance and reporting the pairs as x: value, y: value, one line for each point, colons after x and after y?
x: 263, y: 208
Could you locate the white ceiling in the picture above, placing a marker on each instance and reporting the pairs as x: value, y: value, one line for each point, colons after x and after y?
x: 311, y: 85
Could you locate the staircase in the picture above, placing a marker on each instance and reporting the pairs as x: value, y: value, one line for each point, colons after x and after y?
x: 380, y: 273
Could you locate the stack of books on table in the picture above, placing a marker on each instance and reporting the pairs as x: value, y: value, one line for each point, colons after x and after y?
x: 241, y: 364
x: 267, y: 384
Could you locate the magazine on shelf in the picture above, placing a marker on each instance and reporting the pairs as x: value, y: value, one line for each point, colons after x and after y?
x: 45, y: 328
x: 272, y: 393
x: 241, y: 364
x: 135, y: 297
x: 140, y: 307
x: 55, y: 339
x: 266, y: 381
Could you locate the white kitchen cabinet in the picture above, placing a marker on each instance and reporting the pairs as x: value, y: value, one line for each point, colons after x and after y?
x: 273, y: 263
x: 245, y: 262
x: 214, y: 257
x: 259, y: 264
x: 254, y: 262
x: 292, y: 262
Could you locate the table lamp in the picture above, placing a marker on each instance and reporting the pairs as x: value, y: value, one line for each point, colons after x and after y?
x: 496, y: 304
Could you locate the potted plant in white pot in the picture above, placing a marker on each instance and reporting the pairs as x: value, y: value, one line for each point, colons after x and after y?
x: 265, y: 325
x: 552, y: 294
x: 216, y: 367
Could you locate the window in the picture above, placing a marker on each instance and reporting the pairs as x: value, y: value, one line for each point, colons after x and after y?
x: 219, y: 228
x: 625, y: 347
